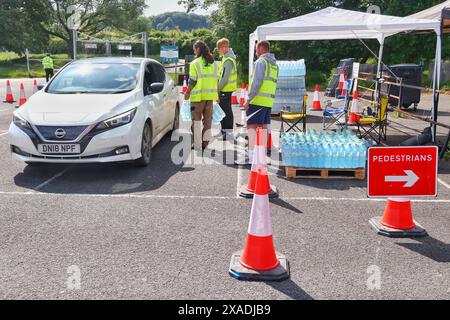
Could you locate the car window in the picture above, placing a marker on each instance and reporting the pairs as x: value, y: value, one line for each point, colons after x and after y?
x: 148, y: 78
x: 96, y: 78
x: 159, y: 72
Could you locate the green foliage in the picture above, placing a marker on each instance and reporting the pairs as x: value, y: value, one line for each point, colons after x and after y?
x: 180, y: 20
x: 184, y: 40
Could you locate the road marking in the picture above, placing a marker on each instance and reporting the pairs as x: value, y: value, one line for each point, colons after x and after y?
x: 3, y: 133
x: 157, y: 196
x: 239, y: 170
x: 444, y: 183
x: 39, y: 187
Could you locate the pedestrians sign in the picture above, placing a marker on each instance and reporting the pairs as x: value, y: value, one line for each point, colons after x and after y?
x: 402, y: 171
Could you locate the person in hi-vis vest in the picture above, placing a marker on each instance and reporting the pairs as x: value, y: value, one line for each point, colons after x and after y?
x: 47, y: 63
x: 202, y: 91
x: 227, y: 84
x: 263, y: 86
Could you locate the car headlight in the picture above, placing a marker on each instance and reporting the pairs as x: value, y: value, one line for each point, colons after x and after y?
x: 20, y: 122
x: 117, y: 121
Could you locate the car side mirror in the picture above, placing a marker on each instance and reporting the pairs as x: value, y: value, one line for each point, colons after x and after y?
x: 40, y: 87
x: 156, y: 87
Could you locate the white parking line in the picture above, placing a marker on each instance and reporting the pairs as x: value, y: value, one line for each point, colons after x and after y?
x: 444, y: 183
x: 3, y: 133
x: 156, y: 196
x: 39, y: 187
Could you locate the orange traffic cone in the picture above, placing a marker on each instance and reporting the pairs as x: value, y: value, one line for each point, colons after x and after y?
x: 234, y: 99
x: 258, y: 260
x: 316, y: 102
x: 242, y: 97
x: 22, y: 98
x: 184, y: 88
x: 9, y: 96
x: 397, y: 220
x: 269, y: 140
x: 344, y: 90
x: 354, y: 111
x: 259, y: 161
x: 341, y: 79
x: 35, y: 88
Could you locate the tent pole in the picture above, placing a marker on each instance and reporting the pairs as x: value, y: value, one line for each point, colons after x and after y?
x: 436, y: 85
x: 380, y: 59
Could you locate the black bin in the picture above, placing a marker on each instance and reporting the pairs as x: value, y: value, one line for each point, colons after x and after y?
x: 347, y: 64
x: 411, y: 75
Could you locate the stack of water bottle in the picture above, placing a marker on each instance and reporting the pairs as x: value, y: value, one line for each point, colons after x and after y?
x: 341, y: 149
x: 291, y: 86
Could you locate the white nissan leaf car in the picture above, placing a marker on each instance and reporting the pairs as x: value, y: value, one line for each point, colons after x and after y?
x: 97, y: 110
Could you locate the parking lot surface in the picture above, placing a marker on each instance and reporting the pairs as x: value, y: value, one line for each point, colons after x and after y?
x: 168, y: 231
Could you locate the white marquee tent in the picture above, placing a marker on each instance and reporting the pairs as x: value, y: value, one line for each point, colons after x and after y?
x: 334, y: 24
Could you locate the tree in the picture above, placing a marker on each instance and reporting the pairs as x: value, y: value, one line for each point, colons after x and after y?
x: 18, y: 31
x: 56, y: 17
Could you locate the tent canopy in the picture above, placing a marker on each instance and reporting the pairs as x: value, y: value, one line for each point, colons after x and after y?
x: 441, y: 12
x: 334, y: 23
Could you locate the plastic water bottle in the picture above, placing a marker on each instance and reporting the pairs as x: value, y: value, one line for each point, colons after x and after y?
x: 327, y: 157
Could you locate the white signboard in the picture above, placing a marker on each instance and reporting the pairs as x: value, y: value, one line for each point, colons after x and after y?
x: 124, y: 47
x: 90, y: 45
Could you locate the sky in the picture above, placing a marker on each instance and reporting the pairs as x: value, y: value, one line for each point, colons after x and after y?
x: 156, y: 7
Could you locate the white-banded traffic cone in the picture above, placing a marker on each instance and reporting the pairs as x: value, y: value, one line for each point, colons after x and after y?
x: 242, y: 95
x: 345, y: 88
x: 9, y: 98
x: 259, y: 261
x: 35, y: 88
x: 316, y: 102
x: 184, y: 88
x: 22, y: 98
x: 355, y: 110
x: 341, y: 79
x: 259, y: 161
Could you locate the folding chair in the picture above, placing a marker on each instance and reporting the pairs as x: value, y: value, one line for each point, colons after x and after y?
x: 332, y: 115
x: 375, y: 126
x: 293, y: 119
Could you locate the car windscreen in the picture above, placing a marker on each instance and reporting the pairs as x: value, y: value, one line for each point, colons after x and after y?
x: 96, y: 78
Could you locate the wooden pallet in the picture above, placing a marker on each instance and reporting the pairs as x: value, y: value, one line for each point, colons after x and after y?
x: 312, y: 173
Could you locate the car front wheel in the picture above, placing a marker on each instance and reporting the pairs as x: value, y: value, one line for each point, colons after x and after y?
x: 146, y: 146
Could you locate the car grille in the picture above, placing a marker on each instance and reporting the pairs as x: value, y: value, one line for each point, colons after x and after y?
x: 72, y: 133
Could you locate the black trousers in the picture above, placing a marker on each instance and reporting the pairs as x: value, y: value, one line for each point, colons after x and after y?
x: 225, y: 103
x: 48, y: 74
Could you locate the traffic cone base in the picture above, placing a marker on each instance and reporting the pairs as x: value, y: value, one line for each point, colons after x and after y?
x: 378, y: 227
x: 397, y: 220
x: 245, y: 193
x: 279, y: 273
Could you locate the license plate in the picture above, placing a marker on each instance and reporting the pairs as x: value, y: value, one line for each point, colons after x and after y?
x: 59, y: 148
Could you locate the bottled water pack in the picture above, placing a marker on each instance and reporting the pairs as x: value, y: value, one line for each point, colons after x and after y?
x: 341, y: 149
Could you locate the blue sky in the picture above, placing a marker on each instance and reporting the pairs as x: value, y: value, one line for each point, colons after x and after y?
x: 156, y: 7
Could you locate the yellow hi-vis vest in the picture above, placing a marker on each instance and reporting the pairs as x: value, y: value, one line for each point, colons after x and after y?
x: 266, y: 94
x: 232, y: 80
x: 207, y: 78
x: 47, y: 62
